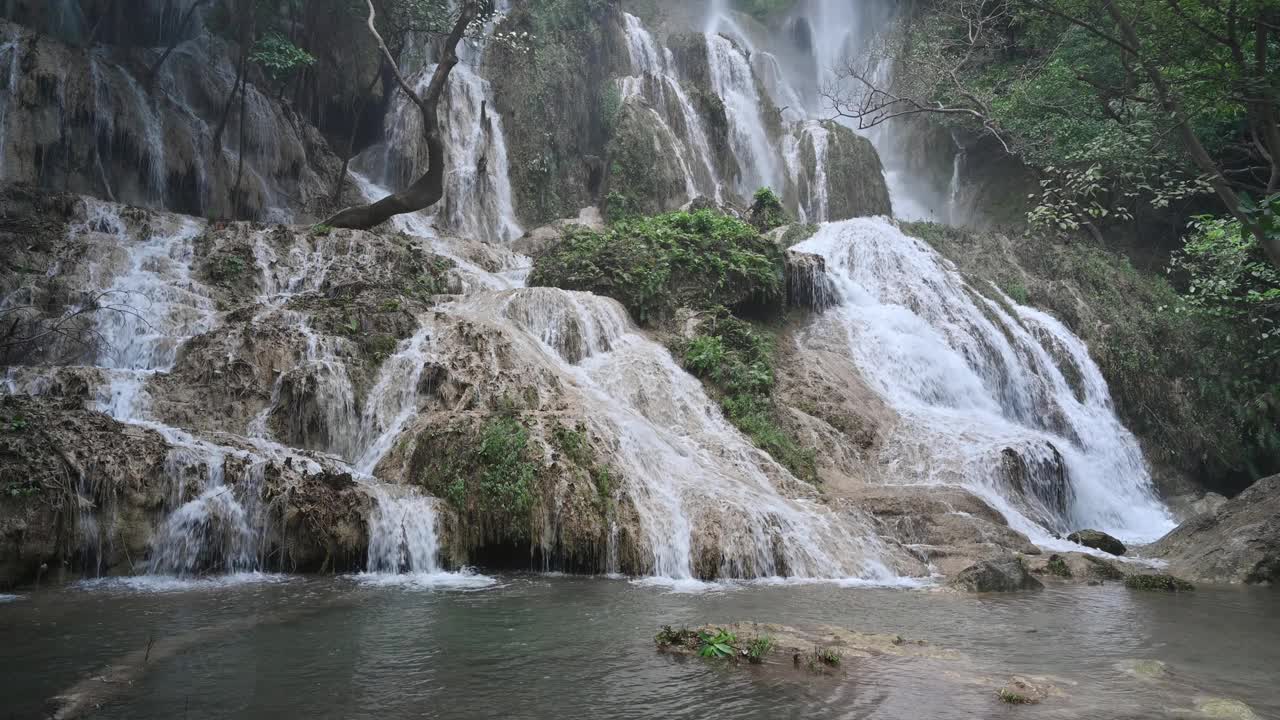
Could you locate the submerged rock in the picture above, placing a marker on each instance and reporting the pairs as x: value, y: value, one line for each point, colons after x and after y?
x: 1239, y: 543
x: 1022, y: 691
x: 1004, y: 574
x: 1225, y: 709
x: 1098, y: 540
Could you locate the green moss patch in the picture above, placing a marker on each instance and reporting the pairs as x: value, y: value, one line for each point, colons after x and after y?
x: 1167, y: 583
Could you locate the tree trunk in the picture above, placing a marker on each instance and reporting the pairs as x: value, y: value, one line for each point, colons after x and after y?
x: 428, y: 189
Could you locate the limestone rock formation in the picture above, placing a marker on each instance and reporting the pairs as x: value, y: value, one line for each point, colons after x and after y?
x: 1239, y: 543
x: 1004, y: 574
x: 1098, y: 540
x: 85, y: 121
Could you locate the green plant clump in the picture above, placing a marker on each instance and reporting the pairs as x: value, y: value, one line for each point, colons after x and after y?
x: 1167, y: 583
x: 767, y: 211
x: 735, y: 358
x: 720, y: 644
x: 1013, y: 698
x: 759, y: 648
x: 657, y: 264
x: 1058, y: 566
x: 498, y: 474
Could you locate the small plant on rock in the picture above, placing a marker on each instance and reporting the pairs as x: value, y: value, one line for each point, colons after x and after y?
x: 759, y: 648
x: 670, y: 637
x: 718, y: 645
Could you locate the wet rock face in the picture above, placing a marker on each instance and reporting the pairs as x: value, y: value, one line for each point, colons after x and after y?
x: 78, y: 491
x: 1005, y: 574
x: 1239, y: 543
x: 854, y: 175
x: 87, y: 121
x: 1098, y: 540
x: 807, y: 283
x: 1039, y: 476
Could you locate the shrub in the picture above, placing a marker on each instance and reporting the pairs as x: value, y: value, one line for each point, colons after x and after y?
x: 767, y: 212
x: 657, y: 264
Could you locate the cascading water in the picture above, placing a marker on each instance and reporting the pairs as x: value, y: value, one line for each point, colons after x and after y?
x: 979, y: 382
x: 478, y: 202
x: 733, y: 80
x: 655, y: 79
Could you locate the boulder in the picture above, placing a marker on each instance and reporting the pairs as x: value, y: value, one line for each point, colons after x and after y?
x: 1098, y: 540
x: 808, y: 285
x: 1003, y: 574
x: 1239, y: 543
x: 1022, y: 691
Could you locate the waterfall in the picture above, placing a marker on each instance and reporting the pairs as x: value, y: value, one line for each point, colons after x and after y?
x: 655, y: 79
x: 701, y: 490
x: 478, y: 202
x: 980, y: 382
x: 734, y: 81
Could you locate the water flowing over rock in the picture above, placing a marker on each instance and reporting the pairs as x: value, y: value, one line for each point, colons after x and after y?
x: 477, y: 200
x: 982, y: 391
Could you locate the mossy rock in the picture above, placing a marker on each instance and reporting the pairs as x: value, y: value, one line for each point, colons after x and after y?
x: 644, y: 171
x: 1167, y: 583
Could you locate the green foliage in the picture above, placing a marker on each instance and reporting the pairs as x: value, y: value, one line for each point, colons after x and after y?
x: 654, y: 265
x: 227, y: 268
x: 610, y: 106
x: 767, y: 211
x: 1057, y: 566
x: 717, y: 645
x: 684, y: 637
x: 1084, y: 110
x: 1017, y: 291
x: 506, y: 471
x: 1166, y: 583
x: 432, y: 278
x: 492, y: 471
x: 759, y: 648
x: 735, y: 359
x: 1231, y: 284
x: 321, y: 230
x: 575, y: 446
x: 279, y: 57
x: 14, y: 424
x: 823, y: 658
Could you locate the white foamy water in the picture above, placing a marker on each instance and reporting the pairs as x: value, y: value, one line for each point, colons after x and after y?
x: 734, y: 81
x: 696, y: 483
x: 974, y: 377
x: 655, y: 83
x: 168, y: 584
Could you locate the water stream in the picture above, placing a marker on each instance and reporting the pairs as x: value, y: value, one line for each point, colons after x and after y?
x: 538, y: 647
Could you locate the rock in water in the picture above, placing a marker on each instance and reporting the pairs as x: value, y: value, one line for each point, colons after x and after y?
x: 1167, y: 583
x: 1098, y: 540
x: 1004, y: 574
x: 1240, y: 543
x: 1022, y: 691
